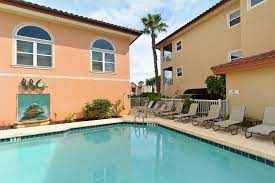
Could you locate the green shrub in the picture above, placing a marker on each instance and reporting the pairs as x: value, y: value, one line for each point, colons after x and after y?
x: 151, y: 96
x: 186, y: 104
x: 70, y: 118
x: 216, y: 87
x: 98, y: 109
x: 117, y: 108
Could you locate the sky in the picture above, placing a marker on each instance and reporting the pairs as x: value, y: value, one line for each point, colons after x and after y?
x: 128, y: 13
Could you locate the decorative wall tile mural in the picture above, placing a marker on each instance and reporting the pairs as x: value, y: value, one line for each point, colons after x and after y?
x: 33, y: 107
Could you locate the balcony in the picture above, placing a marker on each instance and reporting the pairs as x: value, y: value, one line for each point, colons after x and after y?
x: 168, y: 82
x: 167, y: 57
x: 167, y: 53
x: 168, y: 76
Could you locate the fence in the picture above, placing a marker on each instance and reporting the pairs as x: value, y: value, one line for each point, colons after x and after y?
x: 139, y: 101
x: 204, y: 105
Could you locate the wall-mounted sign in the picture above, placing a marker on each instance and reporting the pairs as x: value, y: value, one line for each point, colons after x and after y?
x: 30, y: 85
x: 233, y: 92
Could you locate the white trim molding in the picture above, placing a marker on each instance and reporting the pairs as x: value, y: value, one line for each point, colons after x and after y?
x: 10, y: 74
x: 176, y: 45
x: 34, y: 42
x: 228, y: 18
x: 103, y: 52
x: 234, y: 51
x: 250, y: 7
x: 179, y: 72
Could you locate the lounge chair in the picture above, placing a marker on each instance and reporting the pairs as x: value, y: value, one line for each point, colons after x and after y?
x: 160, y: 109
x: 178, y: 110
x: 236, y: 117
x: 146, y: 106
x: 155, y: 108
x: 168, y: 107
x: 268, y: 126
x: 191, y: 113
x: 214, y: 113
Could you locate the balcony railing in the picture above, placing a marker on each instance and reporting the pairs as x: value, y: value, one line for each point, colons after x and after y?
x: 168, y: 82
x: 167, y: 57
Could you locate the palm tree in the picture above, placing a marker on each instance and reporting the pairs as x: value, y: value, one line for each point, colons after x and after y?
x: 152, y: 25
x: 149, y: 82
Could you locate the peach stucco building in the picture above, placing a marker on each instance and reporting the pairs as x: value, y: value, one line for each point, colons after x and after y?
x: 80, y: 59
x: 235, y: 38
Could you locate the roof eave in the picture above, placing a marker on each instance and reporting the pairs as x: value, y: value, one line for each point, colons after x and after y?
x: 192, y: 22
x: 255, y: 62
x: 58, y: 13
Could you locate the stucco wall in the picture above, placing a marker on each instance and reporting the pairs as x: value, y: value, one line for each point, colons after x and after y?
x: 258, y: 28
x: 204, y: 45
x: 256, y: 90
x: 72, y: 61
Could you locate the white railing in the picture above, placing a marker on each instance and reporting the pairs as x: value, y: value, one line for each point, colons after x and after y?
x: 203, y: 109
x: 204, y: 105
x: 168, y: 82
x: 167, y: 57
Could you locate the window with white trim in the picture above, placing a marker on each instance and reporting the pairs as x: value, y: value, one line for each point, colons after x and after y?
x: 178, y: 46
x: 179, y: 72
x: 254, y: 3
x: 103, y: 56
x: 235, y: 55
x: 33, y: 47
x: 234, y: 18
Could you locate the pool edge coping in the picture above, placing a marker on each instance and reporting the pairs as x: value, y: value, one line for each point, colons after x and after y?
x: 32, y: 132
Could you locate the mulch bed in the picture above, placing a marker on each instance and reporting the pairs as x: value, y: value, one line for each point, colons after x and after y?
x: 6, y: 127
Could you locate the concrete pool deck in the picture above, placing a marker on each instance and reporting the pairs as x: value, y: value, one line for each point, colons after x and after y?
x: 256, y: 145
x: 259, y: 146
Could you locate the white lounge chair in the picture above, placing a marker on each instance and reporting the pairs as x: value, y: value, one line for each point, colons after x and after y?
x: 178, y: 110
x: 168, y: 107
x: 147, y: 106
x: 236, y: 117
x: 161, y: 108
x: 214, y: 113
x: 156, y: 106
x: 191, y: 113
x: 268, y: 126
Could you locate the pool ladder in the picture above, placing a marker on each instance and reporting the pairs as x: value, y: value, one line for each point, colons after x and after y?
x: 139, y: 115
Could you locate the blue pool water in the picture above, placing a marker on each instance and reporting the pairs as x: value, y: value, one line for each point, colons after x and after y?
x: 125, y: 154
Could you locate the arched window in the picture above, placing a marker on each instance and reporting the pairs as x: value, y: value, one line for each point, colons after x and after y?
x: 33, y: 47
x: 103, y: 56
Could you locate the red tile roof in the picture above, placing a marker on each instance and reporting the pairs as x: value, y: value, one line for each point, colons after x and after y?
x: 213, y: 8
x: 63, y: 14
x: 258, y: 61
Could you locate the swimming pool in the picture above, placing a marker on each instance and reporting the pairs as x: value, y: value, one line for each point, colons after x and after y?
x: 125, y: 154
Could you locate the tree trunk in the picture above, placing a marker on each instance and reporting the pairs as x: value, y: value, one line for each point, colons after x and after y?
x: 153, y: 36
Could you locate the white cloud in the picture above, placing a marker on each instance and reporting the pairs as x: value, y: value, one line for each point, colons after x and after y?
x: 142, y: 66
x: 128, y: 13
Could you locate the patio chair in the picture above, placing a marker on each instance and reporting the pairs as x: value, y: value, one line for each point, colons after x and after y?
x: 161, y: 108
x: 214, y: 113
x: 146, y: 106
x: 191, y: 113
x: 155, y: 107
x: 168, y: 107
x: 268, y: 126
x: 236, y: 117
x: 178, y: 110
